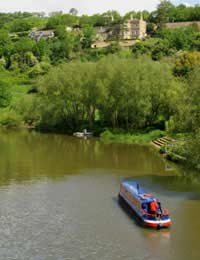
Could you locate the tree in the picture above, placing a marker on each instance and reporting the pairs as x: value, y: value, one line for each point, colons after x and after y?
x: 73, y: 11
x: 20, y: 25
x: 162, y: 15
x: 61, y: 47
x: 42, y: 49
x: 23, y: 45
x: 193, y: 147
x: 88, y: 37
x: 113, y: 48
x: 196, y: 42
x: 186, y: 62
x: 5, y: 44
x: 112, y: 17
x: 186, y: 118
x: 94, y: 20
x: 193, y: 98
x: 65, y: 20
x: 22, y: 55
x: 134, y: 96
x: 62, y: 96
x: 180, y: 38
x: 60, y: 31
x: 160, y: 49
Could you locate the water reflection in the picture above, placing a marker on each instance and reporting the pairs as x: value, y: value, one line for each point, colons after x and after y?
x: 25, y: 156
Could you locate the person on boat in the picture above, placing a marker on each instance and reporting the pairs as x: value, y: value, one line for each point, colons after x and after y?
x: 153, y: 207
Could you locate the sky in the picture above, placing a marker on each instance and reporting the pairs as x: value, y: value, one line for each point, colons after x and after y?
x: 83, y: 6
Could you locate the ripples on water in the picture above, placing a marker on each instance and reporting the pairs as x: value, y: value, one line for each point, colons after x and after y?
x: 58, y: 201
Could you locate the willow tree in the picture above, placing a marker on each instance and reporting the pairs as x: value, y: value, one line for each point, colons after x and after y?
x: 136, y: 92
x: 124, y: 92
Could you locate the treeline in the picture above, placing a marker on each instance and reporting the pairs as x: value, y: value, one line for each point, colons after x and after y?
x: 114, y: 92
x: 166, y: 12
x: 172, y: 13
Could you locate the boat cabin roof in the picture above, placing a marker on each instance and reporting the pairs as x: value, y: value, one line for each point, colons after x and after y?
x: 137, y: 191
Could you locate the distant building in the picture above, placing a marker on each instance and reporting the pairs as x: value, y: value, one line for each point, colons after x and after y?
x: 134, y: 29
x: 75, y: 28
x: 38, y: 14
x: 182, y: 24
x: 130, y: 30
x: 103, y: 33
x: 55, y: 13
x: 38, y: 35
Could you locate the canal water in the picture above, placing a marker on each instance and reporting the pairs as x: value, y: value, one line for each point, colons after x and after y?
x: 58, y: 201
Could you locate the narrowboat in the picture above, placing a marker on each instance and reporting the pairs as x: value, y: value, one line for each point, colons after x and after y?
x: 140, y: 202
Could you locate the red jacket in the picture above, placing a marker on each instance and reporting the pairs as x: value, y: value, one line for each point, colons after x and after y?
x: 153, y: 206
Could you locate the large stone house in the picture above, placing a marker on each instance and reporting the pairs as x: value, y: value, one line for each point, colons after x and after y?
x: 103, y: 33
x: 130, y: 30
x: 38, y: 35
x: 134, y: 29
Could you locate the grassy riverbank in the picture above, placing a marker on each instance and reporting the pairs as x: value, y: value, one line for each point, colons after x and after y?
x: 118, y: 136
x: 184, y: 149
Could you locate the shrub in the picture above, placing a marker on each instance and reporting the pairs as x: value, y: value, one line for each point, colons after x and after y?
x: 10, y: 120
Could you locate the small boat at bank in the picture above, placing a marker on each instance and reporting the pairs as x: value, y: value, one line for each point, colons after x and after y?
x: 85, y: 133
x: 139, y: 201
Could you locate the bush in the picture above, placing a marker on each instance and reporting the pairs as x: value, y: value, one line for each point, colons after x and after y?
x: 10, y: 120
x: 193, y: 146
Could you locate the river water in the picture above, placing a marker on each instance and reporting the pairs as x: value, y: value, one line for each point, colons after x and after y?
x: 58, y: 201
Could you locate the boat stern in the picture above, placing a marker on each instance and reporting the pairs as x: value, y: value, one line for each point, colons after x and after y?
x: 157, y: 223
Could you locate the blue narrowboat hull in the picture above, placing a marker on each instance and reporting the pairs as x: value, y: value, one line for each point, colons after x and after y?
x: 137, y: 199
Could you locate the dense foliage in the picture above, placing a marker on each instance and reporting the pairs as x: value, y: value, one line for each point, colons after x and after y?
x: 116, y: 92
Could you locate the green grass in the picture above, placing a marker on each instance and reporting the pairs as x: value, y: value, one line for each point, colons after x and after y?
x: 131, y: 138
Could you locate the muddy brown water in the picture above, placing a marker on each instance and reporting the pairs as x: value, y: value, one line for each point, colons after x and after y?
x: 58, y: 201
